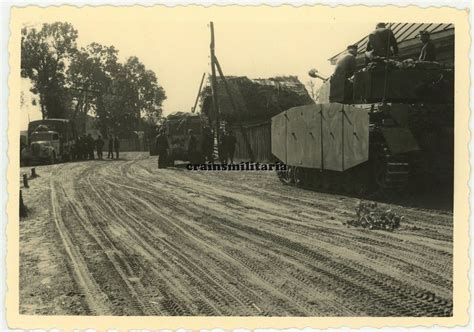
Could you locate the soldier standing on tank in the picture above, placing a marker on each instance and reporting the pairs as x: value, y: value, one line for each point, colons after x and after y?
x: 117, y: 146
x: 428, y: 51
x: 110, y: 154
x: 161, y: 147
x: 382, y: 43
x: 100, y: 145
x: 346, y: 65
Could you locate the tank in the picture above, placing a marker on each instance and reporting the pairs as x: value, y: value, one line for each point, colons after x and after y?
x: 388, y: 127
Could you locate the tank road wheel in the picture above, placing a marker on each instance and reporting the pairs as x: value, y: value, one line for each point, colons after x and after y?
x: 380, y: 174
x: 286, y: 176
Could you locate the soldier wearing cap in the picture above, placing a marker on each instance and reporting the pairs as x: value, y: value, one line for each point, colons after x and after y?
x: 382, y: 43
x: 346, y: 65
x: 428, y: 50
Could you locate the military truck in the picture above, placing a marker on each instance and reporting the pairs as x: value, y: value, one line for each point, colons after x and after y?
x: 50, y: 141
x: 177, y: 128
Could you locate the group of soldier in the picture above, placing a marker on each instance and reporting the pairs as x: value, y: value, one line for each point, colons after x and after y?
x: 226, y: 147
x: 381, y: 44
x: 86, y: 145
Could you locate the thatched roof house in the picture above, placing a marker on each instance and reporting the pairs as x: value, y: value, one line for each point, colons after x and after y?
x: 257, y: 99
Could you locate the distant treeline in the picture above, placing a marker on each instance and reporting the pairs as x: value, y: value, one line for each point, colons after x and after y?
x: 73, y: 82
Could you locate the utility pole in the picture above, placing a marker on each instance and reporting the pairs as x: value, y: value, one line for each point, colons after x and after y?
x: 234, y: 108
x: 215, y: 64
x: 215, y: 105
x: 199, y: 92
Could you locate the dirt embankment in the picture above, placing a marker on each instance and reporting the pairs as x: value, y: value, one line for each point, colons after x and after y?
x: 124, y: 238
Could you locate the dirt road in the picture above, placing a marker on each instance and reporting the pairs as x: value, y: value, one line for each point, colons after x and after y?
x: 124, y: 238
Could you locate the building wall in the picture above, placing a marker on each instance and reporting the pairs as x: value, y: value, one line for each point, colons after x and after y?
x: 259, y: 136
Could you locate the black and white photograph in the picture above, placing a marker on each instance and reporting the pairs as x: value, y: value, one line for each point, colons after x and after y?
x: 246, y: 166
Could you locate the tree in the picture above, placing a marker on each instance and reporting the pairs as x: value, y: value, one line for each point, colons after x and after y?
x: 117, y: 94
x: 74, y: 82
x: 144, y: 92
x: 90, y: 76
x: 312, y: 90
x: 134, y: 93
x: 44, y: 57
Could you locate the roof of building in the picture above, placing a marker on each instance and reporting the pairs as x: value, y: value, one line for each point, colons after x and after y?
x: 289, y: 82
x: 403, y: 32
x: 260, y: 97
x: 180, y: 115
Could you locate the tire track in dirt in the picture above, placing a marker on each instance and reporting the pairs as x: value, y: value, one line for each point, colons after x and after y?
x: 184, y: 243
x: 131, y: 297
x: 244, y: 262
x: 253, y: 305
x: 395, y: 254
x: 93, y: 294
x: 295, y: 197
x: 220, y: 252
x: 245, y: 299
x: 170, y: 247
x: 254, y: 230
x: 120, y: 266
x: 116, y: 287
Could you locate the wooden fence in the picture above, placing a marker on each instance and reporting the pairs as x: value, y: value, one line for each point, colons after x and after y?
x: 259, y: 136
x: 132, y: 144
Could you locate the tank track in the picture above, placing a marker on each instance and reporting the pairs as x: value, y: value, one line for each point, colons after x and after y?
x: 379, y: 177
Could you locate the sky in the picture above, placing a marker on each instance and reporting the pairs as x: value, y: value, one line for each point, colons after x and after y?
x: 175, y: 44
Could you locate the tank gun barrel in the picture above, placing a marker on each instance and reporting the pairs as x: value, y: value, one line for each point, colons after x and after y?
x: 315, y: 74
